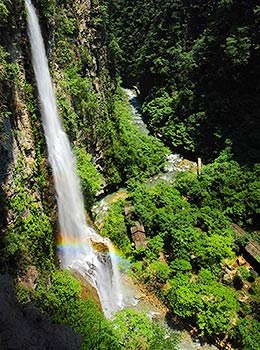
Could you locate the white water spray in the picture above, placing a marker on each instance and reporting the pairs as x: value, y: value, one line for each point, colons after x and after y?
x: 77, y: 252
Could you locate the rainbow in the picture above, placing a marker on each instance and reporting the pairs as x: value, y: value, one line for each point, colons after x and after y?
x: 73, y: 243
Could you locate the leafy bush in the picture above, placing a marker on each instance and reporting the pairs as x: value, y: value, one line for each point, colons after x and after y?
x: 247, y: 334
x: 91, y: 179
x: 136, y: 331
x: 115, y: 227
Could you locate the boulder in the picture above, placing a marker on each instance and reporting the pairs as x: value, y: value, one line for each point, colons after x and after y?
x: 138, y: 235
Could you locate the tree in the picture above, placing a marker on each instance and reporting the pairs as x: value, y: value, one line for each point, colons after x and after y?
x: 136, y: 331
x: 63, y: 302
x: 183, y: 297
x: 115, y: 227
x: 218, y: 309
x: 247, y: 334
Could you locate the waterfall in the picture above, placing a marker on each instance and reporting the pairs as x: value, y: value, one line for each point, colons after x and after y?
x: 99, y: 268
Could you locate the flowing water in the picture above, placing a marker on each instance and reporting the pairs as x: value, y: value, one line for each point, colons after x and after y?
x: 175, y: 163
x: 136, y: 111
x: 137, y: 300
x: 76, y: 248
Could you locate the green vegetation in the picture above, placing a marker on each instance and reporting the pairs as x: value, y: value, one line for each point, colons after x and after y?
x: 129, y: 329
x: 196, y: 63
x: 136, y: 331
x: 115, y: 227
x: 92, y: 118
x: 62, y: 300
x: 135, y: 155
x: 3, y: 11
x: 29, y: 239
x: 213, y: 305
x: 191, y: 244
x: 189, y: 232
x: 93, y: 114
x: 226, y: 186
x: 91, y: 179
x: 196, y: 66
x: 246, y: 334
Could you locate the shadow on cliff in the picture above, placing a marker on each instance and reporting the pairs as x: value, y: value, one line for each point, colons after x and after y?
x: 6, y: 159
x: 7, y: 119
x: 23, y: 327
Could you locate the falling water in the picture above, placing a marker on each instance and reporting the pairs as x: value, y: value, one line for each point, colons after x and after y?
x: 76, y: 252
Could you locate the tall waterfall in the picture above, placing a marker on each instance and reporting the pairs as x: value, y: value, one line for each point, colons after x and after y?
x: 76, y: 252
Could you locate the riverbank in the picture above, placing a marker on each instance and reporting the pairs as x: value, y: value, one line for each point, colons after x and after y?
x: 139, y: 297
x: 136, y: 294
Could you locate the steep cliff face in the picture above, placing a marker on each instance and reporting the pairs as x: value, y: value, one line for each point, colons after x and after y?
x: 76, y: 52
x: 25, y: 211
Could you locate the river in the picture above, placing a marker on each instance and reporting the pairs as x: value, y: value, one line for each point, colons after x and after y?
x: 136, y: 296
x: 175, y: 163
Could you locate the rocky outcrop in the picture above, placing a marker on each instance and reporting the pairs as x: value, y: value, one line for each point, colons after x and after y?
x: 251, y: 247
x: 87, y: 290
x: 23, y: 327
x: 137, y: 230
x: 138, y: 235
x: 29, y: 278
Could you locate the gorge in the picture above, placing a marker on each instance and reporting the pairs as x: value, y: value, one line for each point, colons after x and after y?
x: 195, y: 66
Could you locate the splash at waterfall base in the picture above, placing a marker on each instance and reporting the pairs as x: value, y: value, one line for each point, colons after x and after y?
x: 88, y: 289
x: 86, y: 266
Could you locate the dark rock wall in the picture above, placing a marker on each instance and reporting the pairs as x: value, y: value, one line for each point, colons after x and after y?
x: 23, y: 327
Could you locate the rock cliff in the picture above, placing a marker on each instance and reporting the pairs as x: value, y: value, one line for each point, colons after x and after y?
x: 23, y: 327
x: 75, y: 44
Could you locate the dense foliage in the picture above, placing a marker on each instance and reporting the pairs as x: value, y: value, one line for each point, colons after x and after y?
x: 136, y: 331
x: 135, y: 155
x: 191, y: 250
x: 225, y: 185
x: 91, y: 179
x: 27, y: 236
x: 115, y: 227
x: 197, y: 66
x: 99, y: 126
x: 64, y: 304
x: 189, y: 262
x: 90, y: 102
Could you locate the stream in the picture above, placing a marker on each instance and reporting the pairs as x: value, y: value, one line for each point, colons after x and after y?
x: 135, y: 296
x: 175, y: 163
